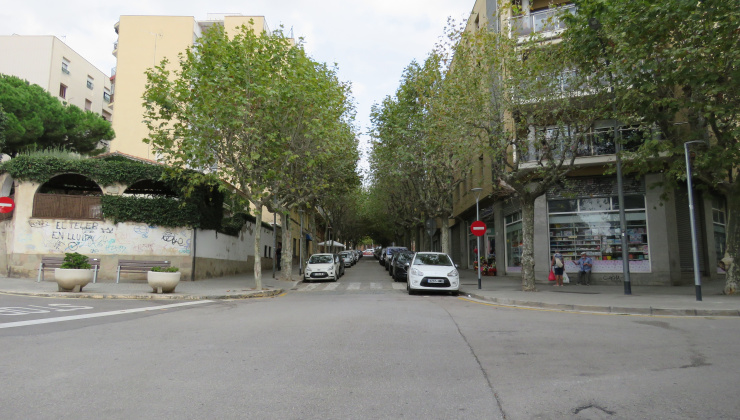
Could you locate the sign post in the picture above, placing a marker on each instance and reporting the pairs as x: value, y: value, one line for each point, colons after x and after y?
x: 478, y: 229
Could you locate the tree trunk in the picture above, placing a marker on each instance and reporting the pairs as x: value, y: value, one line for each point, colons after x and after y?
x: 286, y: 262
x: 445, y: 237
x: 257, y: 246
x: 730, y: 260
x: 528, y: 284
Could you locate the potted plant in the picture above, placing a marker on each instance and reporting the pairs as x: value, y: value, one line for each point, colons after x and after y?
x: 163, y: 279
x: 74, y: 273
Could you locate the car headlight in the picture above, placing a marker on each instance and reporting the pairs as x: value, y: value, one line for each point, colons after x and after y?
x: 308, y: 269
x: 453, y: 273
x: 416, y: 272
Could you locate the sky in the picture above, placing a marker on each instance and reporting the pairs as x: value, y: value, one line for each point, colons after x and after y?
x: 370, y: 41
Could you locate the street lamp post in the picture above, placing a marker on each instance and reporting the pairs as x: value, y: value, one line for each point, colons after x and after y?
x: 300, y: 245
x: 477, y: 192
x: 694, y: 247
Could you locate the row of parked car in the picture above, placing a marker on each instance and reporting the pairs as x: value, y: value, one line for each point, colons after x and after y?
x: 420, y: 270
x: 329, y: 266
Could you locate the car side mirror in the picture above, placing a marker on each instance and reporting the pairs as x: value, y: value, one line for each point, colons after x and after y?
x: 457, y: 266
x: 407, y: 265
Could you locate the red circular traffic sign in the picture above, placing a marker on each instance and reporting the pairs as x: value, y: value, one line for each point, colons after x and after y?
x: 478, y: 228
x: 6, y: 204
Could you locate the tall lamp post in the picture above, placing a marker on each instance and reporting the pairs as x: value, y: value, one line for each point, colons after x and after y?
x: 300, y: 244
x: 477, y: 192
x: 694, y: 247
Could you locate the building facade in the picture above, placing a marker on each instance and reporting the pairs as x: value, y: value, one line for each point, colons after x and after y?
x: 143, y: 41
x: 50, y: 63
x: 582, y: 213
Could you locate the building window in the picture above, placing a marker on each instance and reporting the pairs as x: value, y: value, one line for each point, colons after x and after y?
x: 514, y: 239
x: 65, y: 66
x: 719, y: 222
x: 90, y: 81
x: 591, y: 225
x: 88, y: 105
x: 107, y: 116
x: 62, y: 91
x: 106, y: 96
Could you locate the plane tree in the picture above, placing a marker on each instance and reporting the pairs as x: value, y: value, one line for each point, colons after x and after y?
x: 251, y: 109
x: 674, y: 66
x: 510, y: 95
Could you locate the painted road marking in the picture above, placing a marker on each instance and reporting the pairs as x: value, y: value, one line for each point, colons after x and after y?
x: 354, y: 286
x: 97, y: 315
x: 38, y: 309
x: 331, y: 286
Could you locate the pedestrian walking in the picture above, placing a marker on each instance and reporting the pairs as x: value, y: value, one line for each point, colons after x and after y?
x: 584, y: 269
x: 278, y: 254
x: 557, y: 264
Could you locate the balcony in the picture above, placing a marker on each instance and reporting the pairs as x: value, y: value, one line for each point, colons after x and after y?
x: 543, y: 21
x: 115, y: 49
x: 597, y: 142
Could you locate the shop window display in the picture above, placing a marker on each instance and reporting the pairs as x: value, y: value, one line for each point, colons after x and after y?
x: 514, y: 238
x: 591, y: 225
x: 719, y: 220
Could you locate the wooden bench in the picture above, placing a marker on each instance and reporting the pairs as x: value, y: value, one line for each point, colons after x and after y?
x: 138, y: 266
x: 51, y: 263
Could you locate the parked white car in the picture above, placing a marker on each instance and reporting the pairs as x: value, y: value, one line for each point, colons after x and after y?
x: 321, y: 267
x: 432, y: 271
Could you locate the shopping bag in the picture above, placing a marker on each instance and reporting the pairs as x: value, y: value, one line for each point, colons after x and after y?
x: 566, y: 279
x: 551, y: 277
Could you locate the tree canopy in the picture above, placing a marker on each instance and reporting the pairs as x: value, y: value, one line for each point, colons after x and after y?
x: 675, y: 66
x: 31, y: 118
x: 255, y: 110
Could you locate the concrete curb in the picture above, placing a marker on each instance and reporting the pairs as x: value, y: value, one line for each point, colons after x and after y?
x: 148, y: 296
x: 615, y: 310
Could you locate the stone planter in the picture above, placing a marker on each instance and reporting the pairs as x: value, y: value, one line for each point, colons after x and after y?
x: 163, y: 282
x: 72, y: 279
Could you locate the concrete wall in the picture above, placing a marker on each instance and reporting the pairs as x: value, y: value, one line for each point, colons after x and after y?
x: 220, y: 255
x: 24, y: 240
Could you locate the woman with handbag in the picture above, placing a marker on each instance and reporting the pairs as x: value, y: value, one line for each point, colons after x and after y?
x: 557, y: 263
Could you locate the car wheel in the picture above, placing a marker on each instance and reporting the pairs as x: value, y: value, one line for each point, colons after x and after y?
x: 454, y: 293
x: 336, y: 277
x: 408, y: 288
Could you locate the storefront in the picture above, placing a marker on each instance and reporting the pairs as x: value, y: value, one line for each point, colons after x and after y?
x: 514, y: 240
x: 591, y: 225
x: 719, y: 220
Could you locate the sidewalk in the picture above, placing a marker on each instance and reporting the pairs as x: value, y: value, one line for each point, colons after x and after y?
x: 501, y: 290
x: 231, y: 287
x: 644, y: 300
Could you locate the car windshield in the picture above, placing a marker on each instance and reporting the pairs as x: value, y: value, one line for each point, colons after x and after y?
x: 404, y: 257
x: 320, y: 259
x: 432, y: 259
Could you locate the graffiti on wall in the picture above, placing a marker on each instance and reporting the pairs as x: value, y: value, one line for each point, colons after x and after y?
x: 105, y: 238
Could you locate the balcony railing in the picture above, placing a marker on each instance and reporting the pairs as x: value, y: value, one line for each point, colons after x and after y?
x: 542, y: 21
x: 598, y: 142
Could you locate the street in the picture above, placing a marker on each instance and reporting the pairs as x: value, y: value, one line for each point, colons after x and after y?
x: 358, y: 348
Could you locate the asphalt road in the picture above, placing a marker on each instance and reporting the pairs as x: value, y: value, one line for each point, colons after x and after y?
x: 359, y: 348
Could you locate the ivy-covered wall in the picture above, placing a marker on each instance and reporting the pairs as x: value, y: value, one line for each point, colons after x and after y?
x: 201, y: 207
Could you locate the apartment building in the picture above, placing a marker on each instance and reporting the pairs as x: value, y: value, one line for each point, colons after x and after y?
x: 143, y: 41
x: 50, y: 63
x: 582, y: 215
